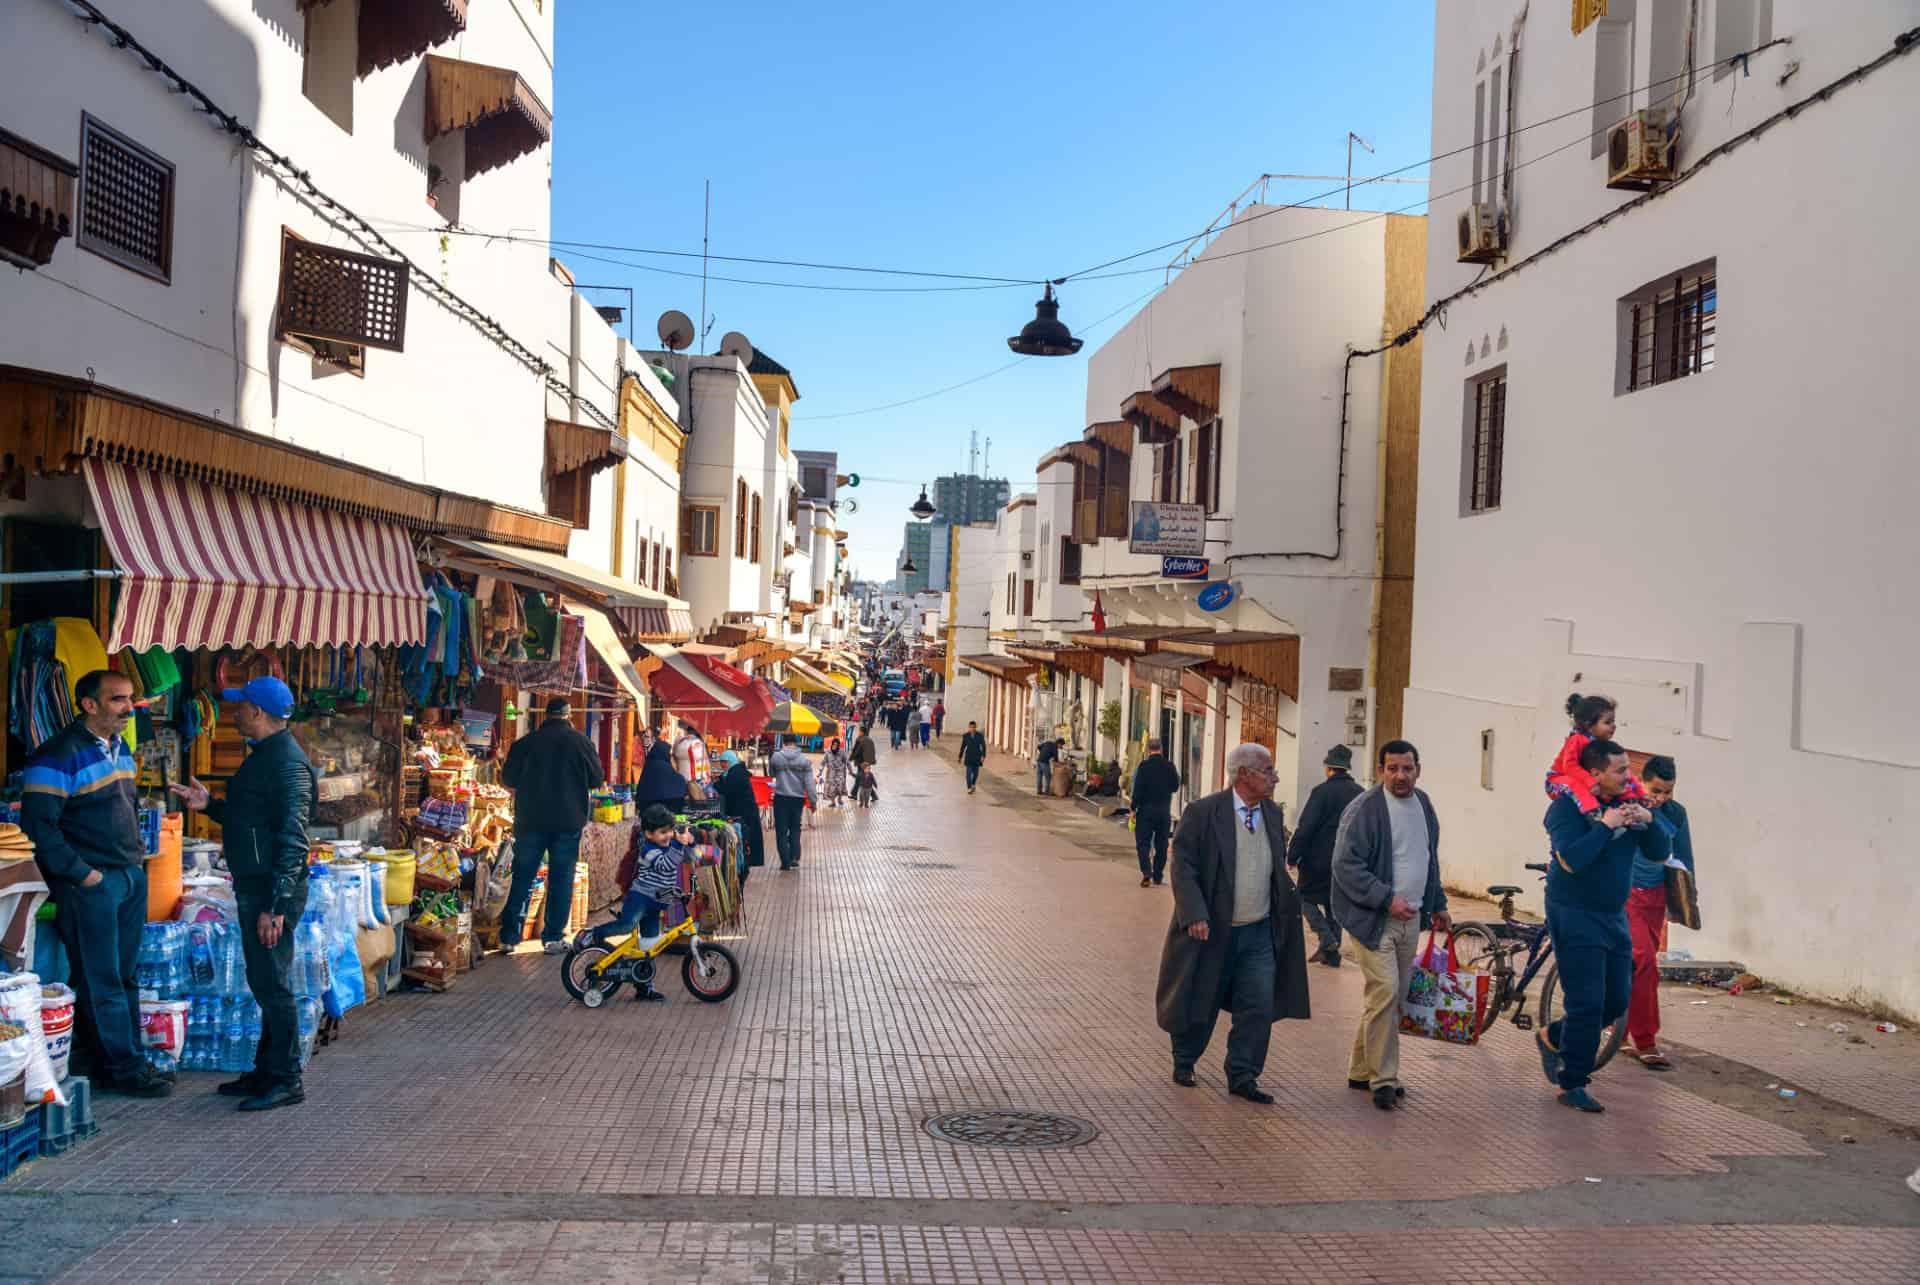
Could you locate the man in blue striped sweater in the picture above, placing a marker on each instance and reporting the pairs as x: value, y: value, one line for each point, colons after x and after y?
x: 80, y: 808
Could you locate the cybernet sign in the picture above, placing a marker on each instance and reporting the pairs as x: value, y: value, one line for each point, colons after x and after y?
x: 1183, y: 568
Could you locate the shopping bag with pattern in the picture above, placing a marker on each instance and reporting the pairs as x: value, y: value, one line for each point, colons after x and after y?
x: 1443, y: 1001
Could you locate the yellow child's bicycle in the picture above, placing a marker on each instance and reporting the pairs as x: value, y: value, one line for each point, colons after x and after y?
x: 593, y: 971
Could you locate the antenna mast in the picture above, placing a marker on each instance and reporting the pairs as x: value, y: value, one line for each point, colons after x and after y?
x: 987, y: 464
x: 973, y: 448
x: 706, y: 225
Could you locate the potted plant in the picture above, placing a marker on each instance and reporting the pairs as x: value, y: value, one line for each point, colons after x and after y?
x: 436, y: 178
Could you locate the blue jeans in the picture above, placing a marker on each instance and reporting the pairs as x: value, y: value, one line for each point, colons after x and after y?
x: 100, y: 927
x: 788, y: 810
x: 1594, y: 953
x: 1246, y: 988
x: 1151, y: 830
x: 897, y: 735
x: 926, y: 734
x: 973, y: 775
x: 1042, y: 777
x: 560, y: 849
x: 636, y: 908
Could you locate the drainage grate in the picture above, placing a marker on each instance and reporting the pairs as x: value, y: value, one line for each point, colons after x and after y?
x: 931, y: 865
x: 907, y: 847
x: 1012, y: 1130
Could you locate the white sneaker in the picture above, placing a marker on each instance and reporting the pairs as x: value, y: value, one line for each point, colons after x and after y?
x: 555, y: 948
x: 648, y: 943
x: 1913, y: 1182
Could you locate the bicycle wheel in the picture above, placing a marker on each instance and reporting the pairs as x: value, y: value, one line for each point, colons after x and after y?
x: 1473, y: 946
x: 1551, y: 1004
x: 590, y: 988
x: 715, y: 976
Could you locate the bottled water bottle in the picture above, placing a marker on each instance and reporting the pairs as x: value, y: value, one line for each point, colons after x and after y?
x: 309, y: 1028
x: 235, y: 1055
x: 200, y: 955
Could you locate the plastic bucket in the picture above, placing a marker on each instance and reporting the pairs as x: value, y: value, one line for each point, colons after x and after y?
x: 399, y: 881
x: 56, y: 1024
x: 163, y: 1024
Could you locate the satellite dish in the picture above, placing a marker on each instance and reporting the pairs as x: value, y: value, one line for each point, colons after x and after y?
x: 851, y: 506
x: 675, y: 329
x: 734, y: 344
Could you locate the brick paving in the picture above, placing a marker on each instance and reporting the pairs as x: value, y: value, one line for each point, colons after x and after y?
x: 935, y: 954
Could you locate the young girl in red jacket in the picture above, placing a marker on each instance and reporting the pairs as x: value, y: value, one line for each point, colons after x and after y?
x: 1593, y: 719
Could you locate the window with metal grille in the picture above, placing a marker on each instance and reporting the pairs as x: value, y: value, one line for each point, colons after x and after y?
x: 1671, y: 326
x: 126, y: 201
x: 338, y: 295
x: 1486, y: 440
x: 700, y: 531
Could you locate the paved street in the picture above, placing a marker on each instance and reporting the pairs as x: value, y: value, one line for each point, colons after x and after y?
x: 944, y: 953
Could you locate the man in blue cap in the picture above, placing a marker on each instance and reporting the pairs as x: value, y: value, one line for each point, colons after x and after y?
x: 263, y: 832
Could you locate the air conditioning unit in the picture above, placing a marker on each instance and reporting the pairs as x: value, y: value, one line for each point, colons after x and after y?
x: 1642, y: 150
x: 1026, y: 557
x: 1482, y: 233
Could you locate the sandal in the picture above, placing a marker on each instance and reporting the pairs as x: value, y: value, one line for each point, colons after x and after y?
x: 1652, y: 1059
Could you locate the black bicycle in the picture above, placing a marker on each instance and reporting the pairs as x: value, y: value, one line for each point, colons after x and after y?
x: 1490, y: 947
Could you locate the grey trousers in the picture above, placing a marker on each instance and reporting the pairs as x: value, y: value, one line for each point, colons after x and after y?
x: 1247, y: 990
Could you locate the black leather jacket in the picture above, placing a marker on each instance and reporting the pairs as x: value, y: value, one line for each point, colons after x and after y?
x: 263, y: 822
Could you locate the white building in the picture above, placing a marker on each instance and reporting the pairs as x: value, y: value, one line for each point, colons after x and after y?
x: 1613, y: 502
x: 968, y: 615
x: 200, y: 276
x: 1226, y: 418
x: 725, y: 544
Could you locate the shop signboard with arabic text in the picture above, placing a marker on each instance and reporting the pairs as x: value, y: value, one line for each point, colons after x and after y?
x: 1168, y: 530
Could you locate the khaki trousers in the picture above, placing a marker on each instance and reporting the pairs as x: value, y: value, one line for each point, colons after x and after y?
x: 1387, y: 970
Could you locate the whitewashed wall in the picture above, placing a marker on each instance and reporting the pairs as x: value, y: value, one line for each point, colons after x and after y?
x: 1729, y: 554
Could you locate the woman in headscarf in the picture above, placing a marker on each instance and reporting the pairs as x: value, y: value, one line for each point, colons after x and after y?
x: 834, y: 767
x: 659, y: 781
x: 735, y: 788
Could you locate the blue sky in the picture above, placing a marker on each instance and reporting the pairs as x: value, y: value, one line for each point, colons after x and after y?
x: 1017, y: 140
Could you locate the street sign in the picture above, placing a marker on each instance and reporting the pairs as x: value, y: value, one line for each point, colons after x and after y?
x: 1183, y: 568
x: 1215, y: 597
x: 1170, y: 530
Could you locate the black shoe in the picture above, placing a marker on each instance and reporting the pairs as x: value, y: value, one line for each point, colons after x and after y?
x: 250, y: 1085
x: 1252, y: 1092
x: 1145, y: 882
x: 141, y: 1084
x: 1158, y: 880
x: 650, y: 996
x: 1184, y: 1079
x: 276, y: 1095
x: 1399, y: 1091
x: 1549, y: 1058
x: 1330, y: 957
x: 1580, y: 1100
x: 1384, y: 1097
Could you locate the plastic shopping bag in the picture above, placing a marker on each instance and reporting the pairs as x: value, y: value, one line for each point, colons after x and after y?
x: 20, y: 1004
x: 1443, y: 1001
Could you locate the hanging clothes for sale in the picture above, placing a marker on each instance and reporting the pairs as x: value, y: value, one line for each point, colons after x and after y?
x: 45, y: 660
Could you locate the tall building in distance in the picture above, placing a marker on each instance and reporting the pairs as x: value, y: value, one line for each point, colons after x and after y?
x: 917, y: 547
x: 965, y: 498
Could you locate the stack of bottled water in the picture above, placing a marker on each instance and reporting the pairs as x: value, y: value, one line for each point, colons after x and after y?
x: 311, y: 975
x: 161, y: 966
x: 223, y: 1026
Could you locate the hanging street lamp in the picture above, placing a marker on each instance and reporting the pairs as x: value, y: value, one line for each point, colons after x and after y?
x: 923, y: 507
x: 1046, y: 335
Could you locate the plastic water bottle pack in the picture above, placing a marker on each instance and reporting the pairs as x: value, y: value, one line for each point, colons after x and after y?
x: 161, y: 966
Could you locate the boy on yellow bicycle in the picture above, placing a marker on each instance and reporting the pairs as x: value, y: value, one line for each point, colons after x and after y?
x: 656, y: 877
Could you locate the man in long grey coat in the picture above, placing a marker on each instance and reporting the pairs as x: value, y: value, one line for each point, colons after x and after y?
x: 1235, y: 942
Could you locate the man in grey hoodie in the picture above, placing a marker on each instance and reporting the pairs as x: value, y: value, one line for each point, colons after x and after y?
x: 1386, y: 888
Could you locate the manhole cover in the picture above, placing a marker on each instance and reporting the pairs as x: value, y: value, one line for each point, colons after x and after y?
x: 1012, y: 1130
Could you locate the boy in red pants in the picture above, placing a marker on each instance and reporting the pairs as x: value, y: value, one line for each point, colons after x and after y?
x: 1647, y: 914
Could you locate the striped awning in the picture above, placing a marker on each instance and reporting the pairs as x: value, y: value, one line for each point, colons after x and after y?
x: 204, y: 566
x: 656, y: 624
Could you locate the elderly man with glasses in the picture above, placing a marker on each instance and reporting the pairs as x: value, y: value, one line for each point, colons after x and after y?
x: 1236, y: 940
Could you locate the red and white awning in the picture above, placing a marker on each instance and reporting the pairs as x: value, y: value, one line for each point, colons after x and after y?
x: 203, y: 566
x: 656, y: 624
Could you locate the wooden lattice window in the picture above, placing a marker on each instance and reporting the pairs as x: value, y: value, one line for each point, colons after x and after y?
x: 1259, y: 713
x: 126, y: 201
x: 338, y: 295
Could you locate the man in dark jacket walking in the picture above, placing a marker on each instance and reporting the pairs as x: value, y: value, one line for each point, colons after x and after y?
x: 865, y: 754
x: 551, y: 773
x: 1235, y: 941
x: 973, y: 752
x: 1311, y: 852
x: 1155, y: 782
x: 79, y: 807
x: 1386, y: 888
x: 263, y: 834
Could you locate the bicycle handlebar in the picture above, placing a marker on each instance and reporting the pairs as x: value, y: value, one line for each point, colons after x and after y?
x: 1539, y: 866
